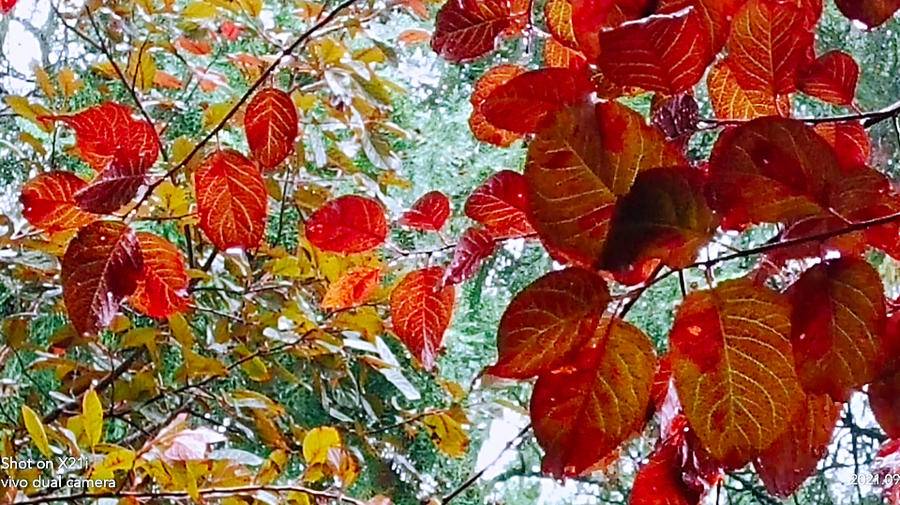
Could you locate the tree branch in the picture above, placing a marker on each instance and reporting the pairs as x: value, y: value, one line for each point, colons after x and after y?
x: 477, y: 475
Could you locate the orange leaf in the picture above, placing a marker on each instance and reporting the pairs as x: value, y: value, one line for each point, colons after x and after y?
x: 48, y: 202
x: 570, y: 407
x: 413, y: 37
x: 831, y: 78
x: 500, y: 204
x: 165, y: 80
x: 420, y: 313
x: 349, y: 224
x: 870, y: 13
x: 162, y: 288
x: 468, y: 29
x: 270, y: 123
x: 731, y: 101
x: 559, y: 56
x: 481, y: 128
x: 231, y: 200
x: 101, y: 267
x: 197, y: 47
x: 548, y: 322
x: 428, y: 213
x: 475, y: 245
x: 353, y: 288
x: 733, y: 368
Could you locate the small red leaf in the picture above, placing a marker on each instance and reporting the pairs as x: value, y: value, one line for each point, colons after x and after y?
x: 499, y: 204
x: 468, y: 29
x: 231, y: 200
x: 271, y: 125
x: 48, y: 202
x: 421, y: 311
x: 6, y: 6
x: 349, y: 224
x: 101, y: 267
x: 475, y: 245
x: 831, y: 78
x: 428, y: 213
x: 481, y: 128
x: 353, y: 288
x: 850, y: 142
x: 549, y: 322
x: 659, y: 481
x: 162, y: 288
x: 871, y: 13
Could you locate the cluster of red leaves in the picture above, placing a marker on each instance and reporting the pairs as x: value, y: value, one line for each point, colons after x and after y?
x: 753, y: 375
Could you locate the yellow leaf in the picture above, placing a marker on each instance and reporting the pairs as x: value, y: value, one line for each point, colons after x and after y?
x: 119, y: 323
x: 364, y: 320
x: 272, y: 468
x: 171, y: 199
x: 15, y: 329
x: 33, y: 141
x: 331, y: 51
x: 370, y: 55
x: 92, y: 414
x: 447, y: 434
x: 141, y: 68
x: 43, y: 80
x: 199, y: 10
x: 181, y: 330
x: 69, y: 82
x: 305, y: 101
x: 317, y: 442
x: 147, y: 6
x: 21, y: 106
x: 289, y: 266
x: 257, y: 370
x: 215, y: 113
x: 252, y: 7
x: 196, y: 365
x: 36, y: 430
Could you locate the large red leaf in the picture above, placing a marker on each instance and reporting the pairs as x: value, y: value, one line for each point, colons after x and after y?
x: 349, y: 224
x: 731, y: 101
x: 793, y: 457
x: 582, y: 413
x: 520, y: 104
x: 769, y: 41
x: 549, y: 322
x: 48, y: 202
x: 428, y: 213
x: 831, y: 78
x: 468, y: 29
x: 271, y: 125
x: 850, y: 142
x: 577, y: 23
x: 500, y: 205
x: 475, y: 245
x: 162, y: 288
x: 481, y: 128
x: 871, y: 13
x: 577, y: 167
x: 770, y: 170
x: 715, y: 17
x: 354, y: 287
x: 734, y: 369
x: 836, y: 325
x: 668, y: 53
x: 664, y: 216
x: 231, y: 200
x: 101, y: 266
x: 421, y: 309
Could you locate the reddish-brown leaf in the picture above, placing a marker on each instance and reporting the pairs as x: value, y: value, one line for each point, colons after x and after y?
x: 231, y: 200
x: 475, y: 245
x: 675, y: 116
x: 770, y: 170
x: 549, y: 322
x: 500, y: 205
x: 421, y: 309
x: 349, y: 224
x: 481, y: 128
x: 101, y: 266
x: 468, y: 29
x: 162, y: 288
x: 731, y: 101
x: 571, y: 407
x: 353, y: 288
x: 831, y: 78
x: 734, y: 368
x: 793, y: 457
x: 769, y: 41
x: 667, y: 53
x: 836, y: 324
x: 428, y: 213
x: 664, y: 216
x: 48, y: 202
x: 522, y: 103
x: 271, y: 125
x: 883, y: 394
x: 715, y: 17
x: 871, y: 13
x: 850, y: 142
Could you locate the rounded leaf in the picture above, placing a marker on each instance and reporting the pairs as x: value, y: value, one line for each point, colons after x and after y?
x: 48, y: 202
x: 475, y: 245
x: 428, y: 213
x: 352, y: 288
x: 421, y: 310
x: 162, y: 288
x: 730, y: 101
x: 831, y: 78
x: 468, y: 29
x: 482, y: 129
x: 500, y: 205
x: 349, y: 224
x: 271, y: 125
x: 871, y: 13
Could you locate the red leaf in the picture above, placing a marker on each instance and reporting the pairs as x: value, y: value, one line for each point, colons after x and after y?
x: 557, y: 55
x: 48, y: 202
x: 849, y: 244
x: 270, y: 123
x: 520, y: 104
x: 850, y: 142
x: 831, y: 78
x: 836, y: 325
x: 6, y: 6
x: 871, y: 13
x: 659, y: 481
x: 500, y: 204
x: 421, y: 311
x: 769, y: 41
x: 230, y: 31
x: 162, y: 288
x: 675, y: 116
x: 731, y: 101
x: 475, y: 245
x: 577, y: 23
x: 349, y: 224
x: 570, y: 407
x: 481, y: 128
x: 101, y: 267
x: 666, y: 53
x: 231, y: 200
x: 428, y: 213
x: 468, y: 29
x: 353, y: 288
x: 715, y: 17
x: 549, y: 322
x: 883, y: 394
x: 793, y: 457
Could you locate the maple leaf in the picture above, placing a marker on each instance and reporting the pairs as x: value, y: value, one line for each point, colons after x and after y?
x: 572, y: 404
x: 271, y: 125
x: 500, y: 204
x: 731, y: 101
x: 421, y: 310
x: 831, y: 78
x: 468, y: 29
x: 351, y: 289
x: 474, y: 247
x: 48, y: 202
x: 101, y: 266
x: 429, y: 213
x: 162, y: 287
x: 348, y: 224
x: 481, y: 128
x: 549, y: 321
x: 871, y: 13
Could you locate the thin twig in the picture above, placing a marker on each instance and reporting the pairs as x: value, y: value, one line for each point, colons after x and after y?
x: 222, y: 492
x: 477, y: 475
